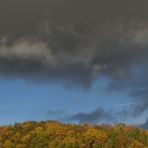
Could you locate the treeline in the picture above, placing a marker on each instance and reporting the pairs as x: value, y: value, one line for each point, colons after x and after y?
x: 52, y: 134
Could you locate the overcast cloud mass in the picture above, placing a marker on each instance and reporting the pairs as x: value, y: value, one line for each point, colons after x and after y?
x: 75, y: 41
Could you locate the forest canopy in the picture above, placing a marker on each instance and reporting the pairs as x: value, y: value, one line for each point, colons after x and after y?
x: 52, y: 134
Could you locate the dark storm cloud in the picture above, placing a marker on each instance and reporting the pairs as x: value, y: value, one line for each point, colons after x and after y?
x: 74, y: 41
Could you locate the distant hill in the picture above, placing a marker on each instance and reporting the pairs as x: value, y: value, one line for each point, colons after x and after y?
x: 52, y: 134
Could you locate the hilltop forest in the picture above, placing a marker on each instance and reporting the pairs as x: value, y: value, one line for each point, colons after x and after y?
x: 52, y: 134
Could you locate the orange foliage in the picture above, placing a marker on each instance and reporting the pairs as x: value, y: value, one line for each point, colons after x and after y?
x: 52, y: 134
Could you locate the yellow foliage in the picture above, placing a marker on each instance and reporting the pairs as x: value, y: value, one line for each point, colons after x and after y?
x: 52, y: 134
x: 7, y: 144
x: 137, y: 144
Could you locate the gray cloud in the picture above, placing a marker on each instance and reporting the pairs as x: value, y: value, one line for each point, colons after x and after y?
x: 56, y: 113
x: 75, y: 41
x: 144, y: 125
x: 97, y: 116
x: 93, y: 117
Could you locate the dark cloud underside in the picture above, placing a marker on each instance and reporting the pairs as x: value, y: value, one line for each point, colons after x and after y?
x: 75, y: 41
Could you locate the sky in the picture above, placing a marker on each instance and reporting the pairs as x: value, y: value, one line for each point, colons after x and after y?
x: 75, y: 61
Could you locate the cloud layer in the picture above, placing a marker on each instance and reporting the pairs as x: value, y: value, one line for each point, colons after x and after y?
x: 75, y: 41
